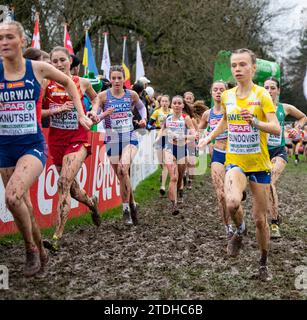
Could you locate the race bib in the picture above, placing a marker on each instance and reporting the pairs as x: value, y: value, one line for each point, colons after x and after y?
x: 122, y: 121
x: 18, y: 118
x: 64, y: 120
x: 243, y: 139
x: 274, y: 141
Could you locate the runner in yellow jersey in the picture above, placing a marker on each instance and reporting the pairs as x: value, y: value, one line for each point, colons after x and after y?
x: 249, y: 114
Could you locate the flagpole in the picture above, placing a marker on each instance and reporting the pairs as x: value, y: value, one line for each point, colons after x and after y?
x: 124, y: 47
x: 65, y: 30
x: 86, y: 29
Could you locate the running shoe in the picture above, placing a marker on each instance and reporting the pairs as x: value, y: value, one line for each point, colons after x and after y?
x: 229, y: 235
x: 162, y: 191
x: 275, y: 232
x: 53, y: 245
x: 185, y: 179
x: 175, y: 210
x: 134, y: 213
x: 33, y: 263
x: 234, y: 245
x: 180, y: 196
x: 95, y: 213
x: 127, y: 219
x: 279, y: 219
x: 44, y: 257
x: 244, y: 195
x: 264, y: 274
x: 296, y: 162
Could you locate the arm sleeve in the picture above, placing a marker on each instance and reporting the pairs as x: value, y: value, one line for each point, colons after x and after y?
x: 141, y: 109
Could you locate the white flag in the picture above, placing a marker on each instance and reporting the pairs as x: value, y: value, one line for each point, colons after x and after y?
x: 140, y: 72
x: 106, y: 62
x: 305, y: 85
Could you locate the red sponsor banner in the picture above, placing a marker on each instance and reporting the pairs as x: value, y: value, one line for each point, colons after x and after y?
x: 96, y: 177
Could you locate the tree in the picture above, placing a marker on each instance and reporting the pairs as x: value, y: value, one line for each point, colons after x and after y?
x: 293, y: 92
x: 179, y: 39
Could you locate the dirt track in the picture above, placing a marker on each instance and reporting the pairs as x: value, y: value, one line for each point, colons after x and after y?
x: 168, y: 257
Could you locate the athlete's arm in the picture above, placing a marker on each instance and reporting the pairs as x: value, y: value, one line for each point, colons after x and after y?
x: 137, y: 102
x: 87, y: 88
x: 44, y: 70
x: 162, y: 132
x: 221, y: 127
x: 191, y: 132
x: 271, y: 126
x: 100, y: 101
x: 203, y: 124
x: 296, y: 113
x: 204, y: 120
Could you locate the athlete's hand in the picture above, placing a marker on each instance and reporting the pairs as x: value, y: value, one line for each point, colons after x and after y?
x: 66, y: 107
x: 85, y: 122
x: 172, y: 136
x: 203, y: 143
x: 109, y: 111
x: 292, y: 133
x: 142, y: 123
x: 156, y: 142
x: 93, y: 116
x: 247, y: 116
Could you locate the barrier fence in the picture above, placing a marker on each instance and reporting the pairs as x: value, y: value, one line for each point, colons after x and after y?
x: 96, y: 177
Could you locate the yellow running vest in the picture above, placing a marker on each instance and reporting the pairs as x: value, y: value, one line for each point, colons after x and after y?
x: 246, y: 145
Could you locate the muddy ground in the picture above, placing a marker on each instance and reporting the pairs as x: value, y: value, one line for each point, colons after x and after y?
x: 168, y: 257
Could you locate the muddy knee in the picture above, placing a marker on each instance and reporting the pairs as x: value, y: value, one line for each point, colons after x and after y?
x: 260, y: 223
x: 13, y: 200
x: 233, y: 205
x: 173, y: 178
x: 122, y: 171
x: 63, y: 184
x: 74, y: 189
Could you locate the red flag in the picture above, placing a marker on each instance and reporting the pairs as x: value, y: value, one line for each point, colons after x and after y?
x: 67, y: 41
x: 36, y: 43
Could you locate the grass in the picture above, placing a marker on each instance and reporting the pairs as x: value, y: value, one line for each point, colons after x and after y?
x: 300, y: 168
x: 145, y: 192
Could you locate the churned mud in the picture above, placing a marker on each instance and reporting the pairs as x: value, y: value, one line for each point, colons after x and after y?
x: 168, y: 257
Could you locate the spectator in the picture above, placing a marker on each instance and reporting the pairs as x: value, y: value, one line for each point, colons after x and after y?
x: 75, y: 65
x: 32, y: 54
x: 138, y: 87
x: 144, y: 81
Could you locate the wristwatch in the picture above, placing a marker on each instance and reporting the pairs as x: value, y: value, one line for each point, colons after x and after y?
x: 255, y: 122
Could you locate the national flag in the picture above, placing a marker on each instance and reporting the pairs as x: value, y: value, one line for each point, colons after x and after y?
x: 125, y: 64
x: 140, y: 72
x: 36, y: 38
x: 67, y: 41
x: 106, y: 62
x: 88, y: 57
x: 305, y: 85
